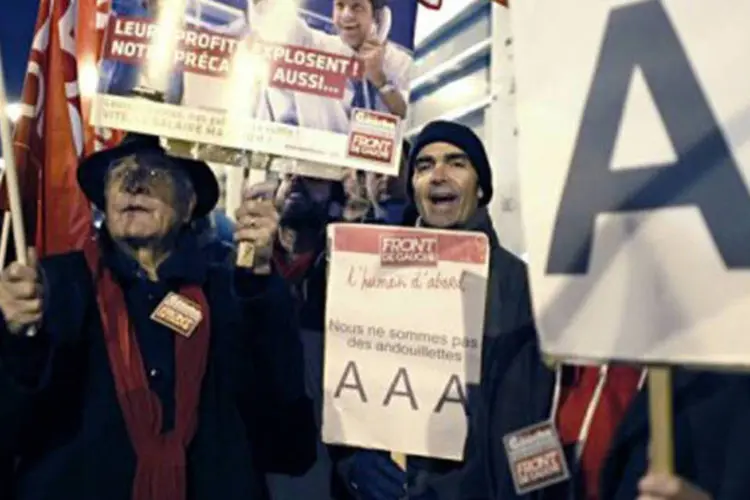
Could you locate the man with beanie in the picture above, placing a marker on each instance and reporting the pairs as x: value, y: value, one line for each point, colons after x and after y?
x: 450, y: 183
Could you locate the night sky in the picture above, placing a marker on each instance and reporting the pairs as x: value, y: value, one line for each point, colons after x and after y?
x: 16, y: 31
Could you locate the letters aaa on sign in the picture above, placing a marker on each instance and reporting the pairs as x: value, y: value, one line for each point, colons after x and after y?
x: 635, y: 158
x: 404, y: 323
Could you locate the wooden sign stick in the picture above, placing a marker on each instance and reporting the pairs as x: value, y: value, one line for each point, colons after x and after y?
x: 245, y: 250
x: 400, y: 459
x: 661, y: 420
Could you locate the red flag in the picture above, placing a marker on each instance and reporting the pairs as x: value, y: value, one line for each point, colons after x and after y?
x: 49, y: 135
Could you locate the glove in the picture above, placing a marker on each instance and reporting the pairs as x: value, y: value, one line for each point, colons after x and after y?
x: 374, y: 476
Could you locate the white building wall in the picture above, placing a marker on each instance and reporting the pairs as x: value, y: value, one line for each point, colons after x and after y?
x: 463, y: 71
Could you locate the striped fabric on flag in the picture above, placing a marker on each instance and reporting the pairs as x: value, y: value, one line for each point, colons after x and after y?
x: 49, y: 136
x: 53, y: 134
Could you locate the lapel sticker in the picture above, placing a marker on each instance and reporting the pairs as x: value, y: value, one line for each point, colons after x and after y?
x: 179, y: 314
x: 536, y: 457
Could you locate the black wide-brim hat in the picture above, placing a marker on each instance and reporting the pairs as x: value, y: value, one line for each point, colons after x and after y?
x: 92, y: 172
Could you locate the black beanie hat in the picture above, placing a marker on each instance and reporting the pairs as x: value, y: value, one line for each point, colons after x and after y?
x: 463, y: 138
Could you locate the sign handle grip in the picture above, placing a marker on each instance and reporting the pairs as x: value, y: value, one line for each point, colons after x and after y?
x: 245, y: 255
x: 661, y: 420
x: 399, y: 459
x: 245, y: 250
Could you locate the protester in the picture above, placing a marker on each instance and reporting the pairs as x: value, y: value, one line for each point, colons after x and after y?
x: 152, y: 375
x: 613, y: 442
x: 306, y: 205
x: 358, y: 206
x: 387, y: 194
x: 450, y: 184
x: 377, y: 198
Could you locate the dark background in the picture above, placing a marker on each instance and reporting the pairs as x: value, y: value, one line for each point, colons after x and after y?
x: 16, y: 32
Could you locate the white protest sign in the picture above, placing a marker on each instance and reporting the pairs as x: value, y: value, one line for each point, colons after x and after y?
x: 404, y: 323
x: 634, y: 122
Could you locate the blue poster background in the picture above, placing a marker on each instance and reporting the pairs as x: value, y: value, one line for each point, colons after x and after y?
x: 119, y: 78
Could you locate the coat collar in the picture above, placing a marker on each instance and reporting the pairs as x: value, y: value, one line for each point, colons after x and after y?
x: 186, y: 264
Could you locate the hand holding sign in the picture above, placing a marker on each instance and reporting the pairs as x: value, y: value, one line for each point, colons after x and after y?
x: 665, y: 487
x: 21, y: 295
x: 257, y: 223
x: 371, y: 53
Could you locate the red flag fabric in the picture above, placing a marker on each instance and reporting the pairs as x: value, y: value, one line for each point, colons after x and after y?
x: 49, y: 136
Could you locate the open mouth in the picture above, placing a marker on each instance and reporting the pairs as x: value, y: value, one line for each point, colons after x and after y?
x: 442, y: 199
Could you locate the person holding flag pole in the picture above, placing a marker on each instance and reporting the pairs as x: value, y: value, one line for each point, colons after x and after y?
x: 151, y: 374
x: 14, y: 197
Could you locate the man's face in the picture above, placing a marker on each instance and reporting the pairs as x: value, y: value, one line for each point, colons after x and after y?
x: 292, y: 187
x: 378, y: 187
x: 445, y: 185
x: 354, y: 20
x: 147, y: 198
x: 302, y: 201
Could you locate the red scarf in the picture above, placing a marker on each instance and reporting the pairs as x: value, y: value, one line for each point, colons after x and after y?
x: 161, y: 462
x: 294, y: 268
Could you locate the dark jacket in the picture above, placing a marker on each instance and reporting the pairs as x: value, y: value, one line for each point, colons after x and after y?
x: 309, y: 289
x: 517, y: 391
x: 508, y: 308
x: 64, y: 423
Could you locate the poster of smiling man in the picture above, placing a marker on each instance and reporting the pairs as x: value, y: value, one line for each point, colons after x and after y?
x: 324, y: 81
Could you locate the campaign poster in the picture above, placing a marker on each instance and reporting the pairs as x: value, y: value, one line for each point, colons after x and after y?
x: 634, y: 119
x: 403, y: 337
x: 321, y: 81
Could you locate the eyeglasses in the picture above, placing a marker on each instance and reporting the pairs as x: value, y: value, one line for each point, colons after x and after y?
x: 154, y: 168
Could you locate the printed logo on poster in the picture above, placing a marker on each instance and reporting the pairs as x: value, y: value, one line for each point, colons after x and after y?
x: 373, y: 135
x: 408, y: 250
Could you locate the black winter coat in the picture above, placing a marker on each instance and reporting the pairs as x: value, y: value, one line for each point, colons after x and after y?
x: 711, y: 412
x: 62, y: 424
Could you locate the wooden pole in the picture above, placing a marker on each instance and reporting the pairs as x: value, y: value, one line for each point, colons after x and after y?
x: 400, y: 459
x: 4, y: 239
x: 11, y: 179
x: 661, y: 420
x: 245, y: 250
x: 5, y: 235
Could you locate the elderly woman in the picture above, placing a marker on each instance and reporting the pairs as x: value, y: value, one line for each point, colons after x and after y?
x: 153, y: 374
